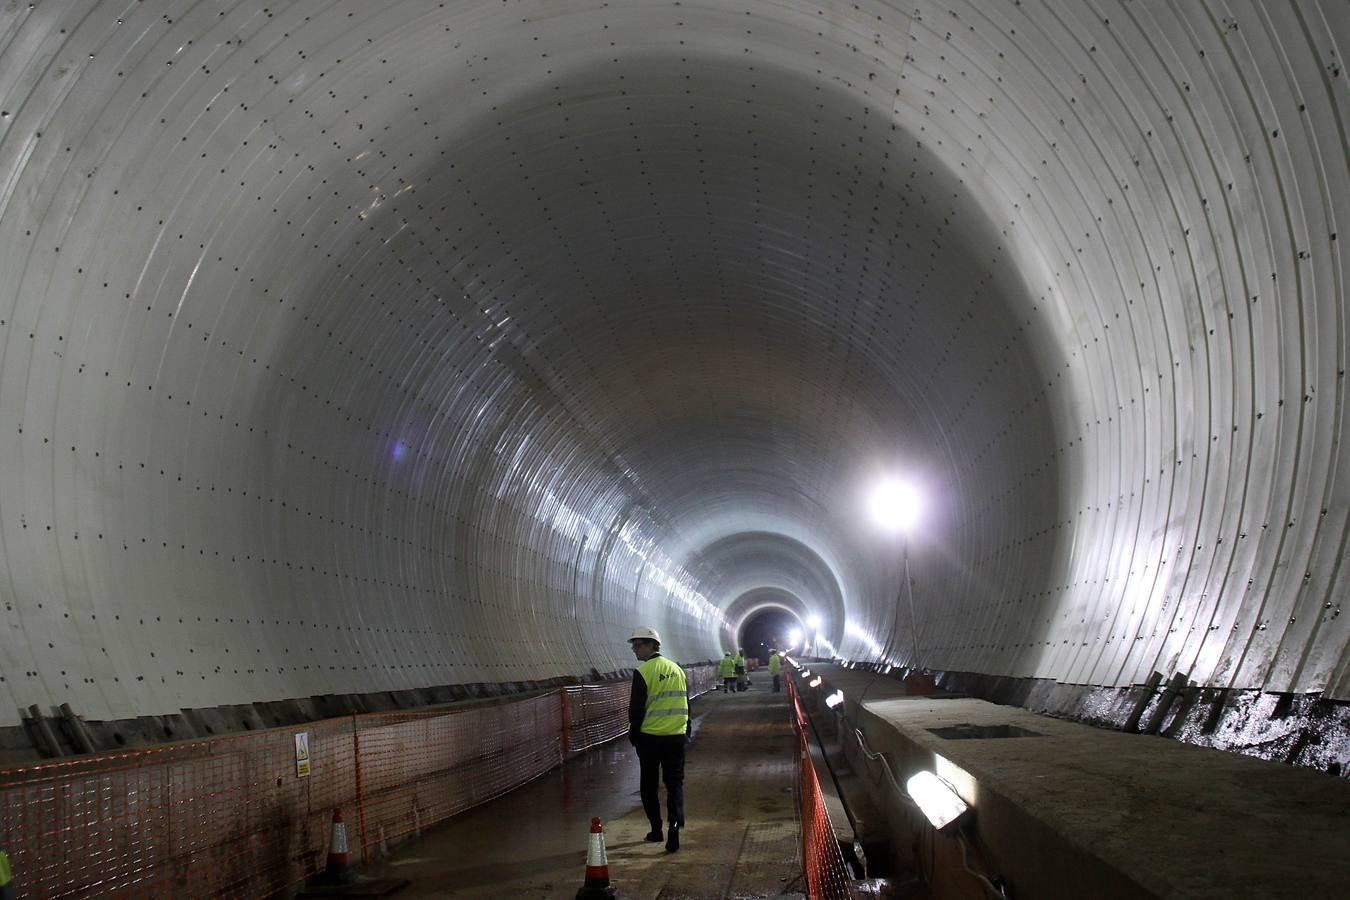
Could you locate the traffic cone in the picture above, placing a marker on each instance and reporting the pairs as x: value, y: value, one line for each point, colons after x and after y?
x: 338, y: 879
x: 597, y: 886
x: 337, y: 870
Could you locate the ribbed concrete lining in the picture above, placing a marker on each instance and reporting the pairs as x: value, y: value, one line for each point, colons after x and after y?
x: 353, y: 346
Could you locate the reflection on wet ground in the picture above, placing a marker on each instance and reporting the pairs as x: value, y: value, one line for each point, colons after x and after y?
x: 741, y: 840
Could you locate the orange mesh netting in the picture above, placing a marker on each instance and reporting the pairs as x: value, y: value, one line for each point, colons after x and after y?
x: 827, y: 876
x: 229, y: 816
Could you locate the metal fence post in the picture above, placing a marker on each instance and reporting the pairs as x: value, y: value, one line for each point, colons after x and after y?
x: 360, y: 794
x: 566, y: 744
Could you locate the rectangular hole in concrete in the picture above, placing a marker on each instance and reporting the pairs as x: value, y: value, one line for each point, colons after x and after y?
x: 982, y: 732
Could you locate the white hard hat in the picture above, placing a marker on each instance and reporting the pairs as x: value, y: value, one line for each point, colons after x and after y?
x: 645, y: 633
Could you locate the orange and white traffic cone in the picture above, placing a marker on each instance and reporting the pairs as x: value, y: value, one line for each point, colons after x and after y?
x: 338, y: 869
x: 597, y: 886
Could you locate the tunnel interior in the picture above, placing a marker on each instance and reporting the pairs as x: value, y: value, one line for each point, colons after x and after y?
x: 767, y: 630
x: 350, y: 350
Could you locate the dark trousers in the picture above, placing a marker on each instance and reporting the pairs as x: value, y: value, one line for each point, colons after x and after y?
x: 777, y: 681
x: 729, y: 684
x: 663, y: 756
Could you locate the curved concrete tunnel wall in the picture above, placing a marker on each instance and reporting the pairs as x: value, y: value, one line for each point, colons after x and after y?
x: 359, y: 347
x: 764, y: 604
x: 764, y: 568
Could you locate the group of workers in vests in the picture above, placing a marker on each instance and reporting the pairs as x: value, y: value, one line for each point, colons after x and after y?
x: 736, y: 677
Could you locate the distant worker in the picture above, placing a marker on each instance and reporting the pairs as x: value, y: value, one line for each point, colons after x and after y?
x: 740, y: 670
x: 776, y: 670
x: 726, y: 670
x: 658, y: 727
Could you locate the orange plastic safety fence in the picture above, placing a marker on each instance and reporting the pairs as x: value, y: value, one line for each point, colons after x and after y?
x: 701, y: 679
x: 827, y: 875
x: 421, y: 769
x: 222, y: 817
x: 595, y: 713
x: 231, y: 816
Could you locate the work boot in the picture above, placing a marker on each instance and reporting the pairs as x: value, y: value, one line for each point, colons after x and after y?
x: 673, y: 838
x: 655, y: 835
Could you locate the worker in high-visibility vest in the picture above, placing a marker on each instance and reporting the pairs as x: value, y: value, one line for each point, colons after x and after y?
x: 776, y: 670
x: 726, y: 670
x: 658, y: 727
x: 739, y: 663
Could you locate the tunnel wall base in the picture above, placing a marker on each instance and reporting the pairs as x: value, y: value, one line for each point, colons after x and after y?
x: 1308, y: 730
x: 30, y: 742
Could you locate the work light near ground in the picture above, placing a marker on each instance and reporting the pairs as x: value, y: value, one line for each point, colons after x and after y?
x: 935, y: 797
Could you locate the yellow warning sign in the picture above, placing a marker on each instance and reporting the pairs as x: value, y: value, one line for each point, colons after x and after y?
x: 302, y: 754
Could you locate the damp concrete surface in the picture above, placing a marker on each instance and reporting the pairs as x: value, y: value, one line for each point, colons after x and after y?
x: 741, y: 840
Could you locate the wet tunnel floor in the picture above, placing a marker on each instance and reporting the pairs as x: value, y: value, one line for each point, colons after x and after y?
x: 741, y: 838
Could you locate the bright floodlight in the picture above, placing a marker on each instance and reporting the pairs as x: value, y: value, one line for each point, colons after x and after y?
x: 813, y: 622
x: 896, y: 505
x: 935, y: 797
x: 815, y: 682
x: 794, y: 637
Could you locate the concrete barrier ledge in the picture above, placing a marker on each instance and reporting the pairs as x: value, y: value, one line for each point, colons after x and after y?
x: 1078, y: 811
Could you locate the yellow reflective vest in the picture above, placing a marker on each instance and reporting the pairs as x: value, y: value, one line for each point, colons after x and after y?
x: 726, y: 668
x: 775, y: 664
x: 667, y: 709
